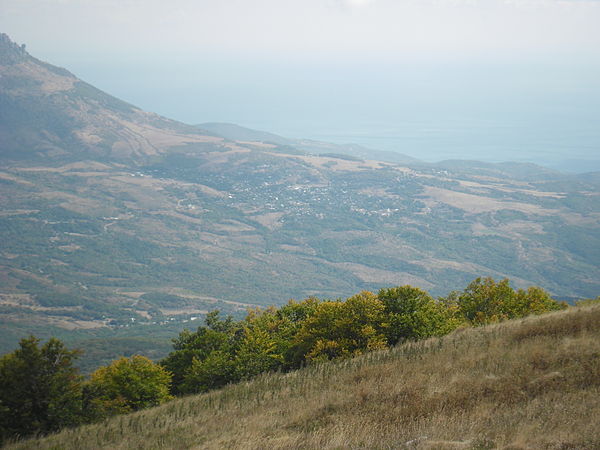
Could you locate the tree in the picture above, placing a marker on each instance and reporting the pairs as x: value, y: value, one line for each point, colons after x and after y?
x: 287, y: 323
x: 217, y: 369
x: 258, y: 353
x: 192, y: 348
x: 412, y: 313
x: 269, y: 336
x: 534, y: 300
x: 40, y: 390
x: 485, y: 301
x: 127, y: 384
x: 341, y: 329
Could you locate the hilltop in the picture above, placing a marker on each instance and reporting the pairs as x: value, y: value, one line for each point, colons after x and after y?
x: 119, y: 223
x: 528, y: 383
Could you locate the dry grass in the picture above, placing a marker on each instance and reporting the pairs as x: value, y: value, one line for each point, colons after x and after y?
x: 527, y: 384
x: 476, y: 204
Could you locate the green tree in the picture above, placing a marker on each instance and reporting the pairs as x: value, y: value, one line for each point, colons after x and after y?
x: 485, y: 301
x: 269, y: 337
x: 216, y: 370
x: 218, y: 335
x: 191, y: 349
x: 40, y: 390
x: 412, y: 313
x: 243, y: 350
x: 190, y: 346
x: 127, y: 384
x: 290, y: 320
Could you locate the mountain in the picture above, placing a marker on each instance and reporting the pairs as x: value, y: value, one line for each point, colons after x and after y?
x: 46, y: 111
x: 119, y: 223
x: 516, y: 170
x: 523, y: 384
x: 237, y: 132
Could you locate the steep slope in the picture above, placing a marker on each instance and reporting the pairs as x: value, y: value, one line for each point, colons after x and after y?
x: 47, y: 111
x: 532, y: 383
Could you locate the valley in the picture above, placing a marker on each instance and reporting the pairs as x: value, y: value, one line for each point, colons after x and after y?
x: 117, y: 224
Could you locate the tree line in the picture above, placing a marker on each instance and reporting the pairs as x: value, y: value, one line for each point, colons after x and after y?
x: 41, y: 391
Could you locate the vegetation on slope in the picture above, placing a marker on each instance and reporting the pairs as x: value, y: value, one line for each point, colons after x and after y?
x: 227, y: 351
x: 300, y: 333
x: 528, y: 383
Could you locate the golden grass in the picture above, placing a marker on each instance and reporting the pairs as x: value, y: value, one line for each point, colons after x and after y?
x: 475, y: 204
x: 527, y: 384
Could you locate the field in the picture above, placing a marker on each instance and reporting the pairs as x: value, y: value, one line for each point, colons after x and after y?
x: 526, y: 384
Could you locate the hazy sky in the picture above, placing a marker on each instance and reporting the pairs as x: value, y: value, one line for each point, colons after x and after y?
x: 308, y: 28
x: 495, y: 79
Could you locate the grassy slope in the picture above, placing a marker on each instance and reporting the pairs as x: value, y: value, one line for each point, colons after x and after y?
x: 532, y: 383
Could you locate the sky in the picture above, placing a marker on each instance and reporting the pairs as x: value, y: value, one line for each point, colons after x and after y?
x: 436, y: 79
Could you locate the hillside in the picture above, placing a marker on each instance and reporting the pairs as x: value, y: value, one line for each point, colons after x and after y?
x: 47, y: 112
x: 118, y: 223
x: 239, y: 133
x: 530, y: 383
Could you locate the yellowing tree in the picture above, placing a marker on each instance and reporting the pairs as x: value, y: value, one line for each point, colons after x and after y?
x: 485, y: 301
x: 127, y: 384
x: 534, y: 300
x: 340, y: 329
x: 257, y: 353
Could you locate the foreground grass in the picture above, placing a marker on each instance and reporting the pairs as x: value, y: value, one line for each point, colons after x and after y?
x: 532, y: 383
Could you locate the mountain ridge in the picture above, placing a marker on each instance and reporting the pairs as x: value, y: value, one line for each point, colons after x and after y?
x: 237, y: 132
x: 52, y: 113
